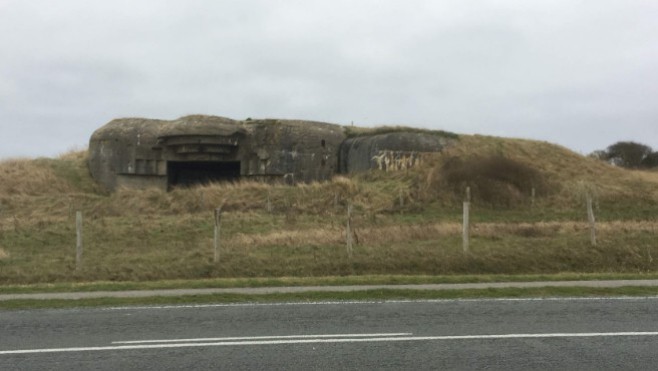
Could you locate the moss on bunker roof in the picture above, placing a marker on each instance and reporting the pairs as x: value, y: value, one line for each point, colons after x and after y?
x: 224, y: 126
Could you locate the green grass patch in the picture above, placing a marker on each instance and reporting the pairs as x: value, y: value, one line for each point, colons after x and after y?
x: 370, y: 295
x: 255, y: 245
x: 311, y: 281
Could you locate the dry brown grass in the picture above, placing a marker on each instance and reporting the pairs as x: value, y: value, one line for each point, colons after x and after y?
x: 65, y: 175
x: 3, y: 254
x: 244, y: 196
x: 55, y: 187
x: 30, y: 177
x: 256, y: 243
x: 334, y: 234
x: 153, y: 234
x: 570, y: 175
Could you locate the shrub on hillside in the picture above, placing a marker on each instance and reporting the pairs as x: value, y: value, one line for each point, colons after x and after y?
x: 493, y: 180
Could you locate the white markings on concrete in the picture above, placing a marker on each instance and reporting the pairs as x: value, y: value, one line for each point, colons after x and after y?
x: 263, y: 338
x: 334, y: 339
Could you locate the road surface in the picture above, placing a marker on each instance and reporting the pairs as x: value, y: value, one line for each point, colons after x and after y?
x: 498, y: 334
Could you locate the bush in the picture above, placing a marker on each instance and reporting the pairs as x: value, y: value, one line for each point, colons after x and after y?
x: 494, y: 180
x: 629, y: 154
x: 651, y: 161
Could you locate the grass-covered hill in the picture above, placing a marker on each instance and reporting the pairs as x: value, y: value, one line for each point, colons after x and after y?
x: 405, y: 222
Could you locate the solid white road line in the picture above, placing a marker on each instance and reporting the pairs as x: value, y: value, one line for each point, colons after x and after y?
x: 333, y: 340
x: 263, y: 338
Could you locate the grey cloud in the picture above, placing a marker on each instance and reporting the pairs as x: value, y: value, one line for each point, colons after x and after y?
x: 577, y: 73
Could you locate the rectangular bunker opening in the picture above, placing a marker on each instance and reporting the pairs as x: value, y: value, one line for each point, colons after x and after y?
x: 190, y: 173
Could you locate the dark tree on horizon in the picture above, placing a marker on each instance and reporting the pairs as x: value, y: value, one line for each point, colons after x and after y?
x: 651, y: 160
x: 630, y: 154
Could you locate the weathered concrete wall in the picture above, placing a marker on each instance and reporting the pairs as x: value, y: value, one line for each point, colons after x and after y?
x: 297, y: 151
x: 139, y: 153
x: 391, y: 151
x: 123, y: 147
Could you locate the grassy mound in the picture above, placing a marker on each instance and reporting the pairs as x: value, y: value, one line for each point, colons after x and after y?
x: 405, y: 222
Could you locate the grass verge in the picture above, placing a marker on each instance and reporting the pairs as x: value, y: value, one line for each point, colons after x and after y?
x: 370, y: 295
x: 311, y: 281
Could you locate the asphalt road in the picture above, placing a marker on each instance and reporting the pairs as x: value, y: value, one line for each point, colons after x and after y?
x: 499, y: 334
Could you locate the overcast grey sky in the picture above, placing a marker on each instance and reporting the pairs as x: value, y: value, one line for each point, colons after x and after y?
x: 583, y: 74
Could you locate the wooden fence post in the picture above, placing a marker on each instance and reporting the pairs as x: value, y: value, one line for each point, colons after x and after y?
x: 269, y: 203
x: 70, y: 206
x: 532, y: 197
x: 202, y: 200
x: 348, y: 231
x: 78, y: 244
x: 216, y: 240
x: 466, y: 222
x: 466, y: 227
x: 592, y: 221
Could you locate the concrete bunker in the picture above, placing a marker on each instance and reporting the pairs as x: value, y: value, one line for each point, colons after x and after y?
x: 142, y: 153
